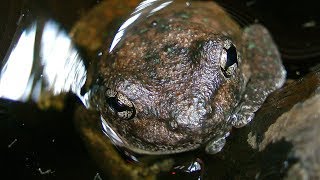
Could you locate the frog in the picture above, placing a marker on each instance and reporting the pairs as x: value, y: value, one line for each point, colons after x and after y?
x: 178, y: 76
x: 182, y: 77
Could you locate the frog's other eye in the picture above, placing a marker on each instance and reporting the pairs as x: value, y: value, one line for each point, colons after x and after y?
x: 229, y: 59
x: 120, y: 105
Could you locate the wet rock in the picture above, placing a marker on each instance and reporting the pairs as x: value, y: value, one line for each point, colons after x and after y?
x: 280, y: 102
x: 300, y: 126
x: 283, y: 139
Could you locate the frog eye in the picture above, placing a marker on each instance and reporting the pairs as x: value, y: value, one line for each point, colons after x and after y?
x: 229, y: 59
x: 120, y: 105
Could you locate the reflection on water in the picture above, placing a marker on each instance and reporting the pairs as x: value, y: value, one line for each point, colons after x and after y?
x: 143, y: 10
x: 12, y: 85
x: 42, y: 59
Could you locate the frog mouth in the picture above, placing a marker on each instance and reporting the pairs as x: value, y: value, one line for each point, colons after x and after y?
x: 119, y: 142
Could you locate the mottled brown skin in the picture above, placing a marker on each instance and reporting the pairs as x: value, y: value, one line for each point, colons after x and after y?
x: 170, y: 70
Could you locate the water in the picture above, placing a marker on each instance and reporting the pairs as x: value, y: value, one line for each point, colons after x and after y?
x: 51, y: 63
x: 45, y: 145
x: 39, y: 144
x: 294, y: 26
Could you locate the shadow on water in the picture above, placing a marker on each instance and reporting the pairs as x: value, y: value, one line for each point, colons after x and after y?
x: 39, y: 144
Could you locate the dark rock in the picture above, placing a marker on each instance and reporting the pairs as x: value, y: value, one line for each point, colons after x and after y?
x: 300, y: 126
x: 283, y: 139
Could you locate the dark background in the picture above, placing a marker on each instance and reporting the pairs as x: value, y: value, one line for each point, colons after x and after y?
x: 48, y: 140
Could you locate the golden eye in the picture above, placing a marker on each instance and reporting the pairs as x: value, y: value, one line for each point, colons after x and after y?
x: 120, y: 105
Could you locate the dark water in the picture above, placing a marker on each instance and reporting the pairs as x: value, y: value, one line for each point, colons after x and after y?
x: 45, y: 145
x: 294, y: 26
